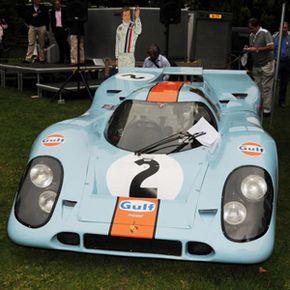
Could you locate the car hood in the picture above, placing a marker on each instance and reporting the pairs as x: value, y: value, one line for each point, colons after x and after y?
x: 176, y: 179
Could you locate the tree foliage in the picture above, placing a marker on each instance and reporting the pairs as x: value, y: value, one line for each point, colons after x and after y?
x: 268, y: 12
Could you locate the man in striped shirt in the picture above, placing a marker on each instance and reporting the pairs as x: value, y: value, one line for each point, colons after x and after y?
x: 126, y: 37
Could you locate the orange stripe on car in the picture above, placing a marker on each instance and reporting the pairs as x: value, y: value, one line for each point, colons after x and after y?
x: 165, y: 92
x: 135, y: 217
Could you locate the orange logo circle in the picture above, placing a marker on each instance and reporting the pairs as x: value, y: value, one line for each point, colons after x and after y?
x: 52, y: 140
x: 252, y: 149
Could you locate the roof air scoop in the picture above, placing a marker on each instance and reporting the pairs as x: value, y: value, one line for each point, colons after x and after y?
x: 240, y: 95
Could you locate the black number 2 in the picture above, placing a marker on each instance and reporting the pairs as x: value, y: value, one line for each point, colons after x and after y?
x: 135, y: 188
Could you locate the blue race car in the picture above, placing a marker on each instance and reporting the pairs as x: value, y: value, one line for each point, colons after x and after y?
x: 178, y: 169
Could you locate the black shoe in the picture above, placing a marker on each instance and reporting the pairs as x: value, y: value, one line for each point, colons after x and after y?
x: 266, y: 114
x: 39, y: 61
x: 282, y: 105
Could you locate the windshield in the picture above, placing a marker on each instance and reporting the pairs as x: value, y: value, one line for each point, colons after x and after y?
x: 136, y: 124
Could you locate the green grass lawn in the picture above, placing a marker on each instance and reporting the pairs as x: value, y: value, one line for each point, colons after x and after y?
x: 22, y: 119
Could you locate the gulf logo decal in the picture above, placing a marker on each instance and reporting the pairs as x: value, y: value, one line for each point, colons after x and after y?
x: 137, y: 206
x: 135, y: 218
x: 252, y: 149
x: 165, y: 92
x: 53, y: 140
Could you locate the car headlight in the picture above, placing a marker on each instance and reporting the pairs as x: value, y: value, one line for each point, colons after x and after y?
x: 247, y: 204
x: 254, y: 187
x: 38, y: 191
x: 41, y: 175
x: 46, y: 200
x: 234, y: 213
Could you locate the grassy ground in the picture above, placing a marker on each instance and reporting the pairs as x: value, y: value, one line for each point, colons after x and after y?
x: 21, y: 119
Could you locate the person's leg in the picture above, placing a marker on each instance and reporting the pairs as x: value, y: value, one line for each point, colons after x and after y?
x: 41, y: 39
x: 287, y: 79
x: 82, y: 49
x: 257, y: 75
x: 74, y: 47
x: 267, y: 85
x: 66, y: 47
x: 31, y: 43
x: 126, y: 60
x: 283, y: 76
x: 131, y: 60
x: 59, y: 37
x: 1, y: 48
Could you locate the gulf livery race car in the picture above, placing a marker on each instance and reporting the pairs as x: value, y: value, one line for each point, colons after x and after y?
x: 178, y: 170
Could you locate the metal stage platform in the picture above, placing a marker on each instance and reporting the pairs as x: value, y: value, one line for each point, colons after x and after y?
x: 36, y: 69
x: 70, y: 86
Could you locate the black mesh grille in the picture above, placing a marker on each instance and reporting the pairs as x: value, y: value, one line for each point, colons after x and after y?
x: 163, y: 247
x: 195, y: 248
x: 68, y: 238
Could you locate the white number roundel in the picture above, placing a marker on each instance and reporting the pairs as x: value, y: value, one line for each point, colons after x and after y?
x: 155, y: 176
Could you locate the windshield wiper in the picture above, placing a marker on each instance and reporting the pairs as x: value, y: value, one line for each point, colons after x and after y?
x: 184, y: 137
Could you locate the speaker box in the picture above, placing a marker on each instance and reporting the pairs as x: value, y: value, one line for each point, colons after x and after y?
x: 212, y: 38
x: 170, y: 11
x: 77, y: 10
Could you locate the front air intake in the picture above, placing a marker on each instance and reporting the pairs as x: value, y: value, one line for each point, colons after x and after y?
x: 110, y: 243
x: 196, y: 248
x: 69, y: 238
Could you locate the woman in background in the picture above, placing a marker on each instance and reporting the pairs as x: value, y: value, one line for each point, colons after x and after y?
x: 3, y: 26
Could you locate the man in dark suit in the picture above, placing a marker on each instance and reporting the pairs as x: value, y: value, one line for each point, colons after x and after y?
x: 60, y: 30
x: 37, y: 20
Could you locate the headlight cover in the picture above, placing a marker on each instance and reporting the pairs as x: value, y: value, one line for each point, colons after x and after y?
x: 38, y: 191
x: 41, y: 175
x: 235, y: 213
x: 46, y: 200
x: 247, y: 204
x: 254, y: 187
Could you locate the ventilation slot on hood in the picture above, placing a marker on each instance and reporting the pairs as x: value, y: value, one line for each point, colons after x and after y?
x: 113, y: 91
x: 240, y: 95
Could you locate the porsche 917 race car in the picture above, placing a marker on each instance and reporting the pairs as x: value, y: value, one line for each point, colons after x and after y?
x: 178, y: 169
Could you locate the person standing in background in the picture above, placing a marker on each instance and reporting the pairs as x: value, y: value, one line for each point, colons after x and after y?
x: 77, y: 33
x: 37, y: 20
x: 126, y: 37
x: 261, y: 46
x: 284, y: 64
x: 60, y: 30
x: 3, y: 26
x: 155, y: 59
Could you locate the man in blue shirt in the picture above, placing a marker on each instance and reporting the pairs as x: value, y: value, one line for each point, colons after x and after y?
x: 284, y: 65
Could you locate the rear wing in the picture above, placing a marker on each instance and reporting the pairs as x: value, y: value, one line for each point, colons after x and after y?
x: 192, y: 74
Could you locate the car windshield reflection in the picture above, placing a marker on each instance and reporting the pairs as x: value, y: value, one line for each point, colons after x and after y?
x: 136, y: 124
